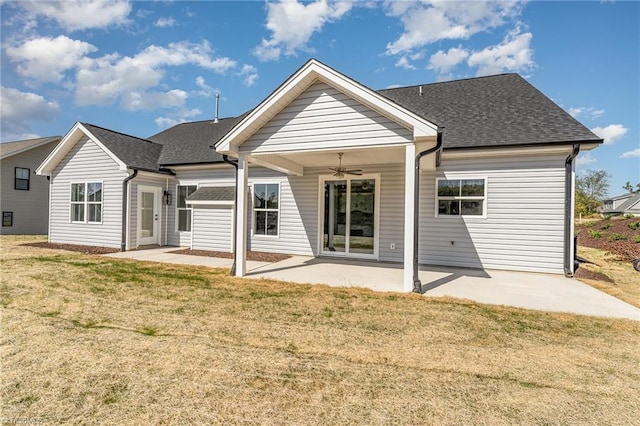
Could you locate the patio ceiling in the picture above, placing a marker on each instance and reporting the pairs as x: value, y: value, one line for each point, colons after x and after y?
x: 295, y: 162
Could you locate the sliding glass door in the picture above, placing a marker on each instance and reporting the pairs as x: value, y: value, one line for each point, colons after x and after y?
x: 349, y: 219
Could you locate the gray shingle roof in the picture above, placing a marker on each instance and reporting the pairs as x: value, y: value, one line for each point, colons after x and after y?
x: 500, y: 110
x: 190, y: 143
x: 135, y: 152
x: 218, y: 193
x: 494, y: 111
x: 626, y: 205
x: 9, y: 148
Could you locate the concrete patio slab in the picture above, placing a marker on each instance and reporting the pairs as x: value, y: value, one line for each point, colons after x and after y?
x: 545, y: 292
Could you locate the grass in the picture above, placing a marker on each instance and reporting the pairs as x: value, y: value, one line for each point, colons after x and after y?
x: 626, y: 280
x: 92, y: 340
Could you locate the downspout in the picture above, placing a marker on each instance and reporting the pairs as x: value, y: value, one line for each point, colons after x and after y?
x: 125, y: 183
x: 568, y: 204
x: 417, y: 285
x: 226, y: 159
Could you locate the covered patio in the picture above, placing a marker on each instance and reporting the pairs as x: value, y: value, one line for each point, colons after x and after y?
x: 545, y: 292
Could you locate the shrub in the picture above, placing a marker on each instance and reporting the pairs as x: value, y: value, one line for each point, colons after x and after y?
x: 595, y: 234
x: 636, y: 239
x: 628, y: 216
x: 589, y: 224
x: 606, y: 217
x: 634, y: 225
x: 606, y: 225
x: 618, y: 237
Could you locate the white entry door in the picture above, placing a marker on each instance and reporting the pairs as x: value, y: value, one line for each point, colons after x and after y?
x: 148, y: 215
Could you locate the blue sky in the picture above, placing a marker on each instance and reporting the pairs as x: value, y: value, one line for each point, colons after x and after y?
x: 140, y: 67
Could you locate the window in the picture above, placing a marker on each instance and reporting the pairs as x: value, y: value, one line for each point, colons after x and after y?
x: 21, y: 181
x: 461, y: 197
x: 184, y: 212
x: 7, y: 218
x: 86, y: 202
x: 266, y: 207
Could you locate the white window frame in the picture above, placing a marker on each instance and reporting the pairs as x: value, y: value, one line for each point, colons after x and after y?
x: 462, y: 198
x: 254, y: 222
x: 86, y: 203
x: 187, y: 207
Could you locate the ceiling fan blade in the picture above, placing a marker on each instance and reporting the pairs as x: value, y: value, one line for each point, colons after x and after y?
x: 354, y: 172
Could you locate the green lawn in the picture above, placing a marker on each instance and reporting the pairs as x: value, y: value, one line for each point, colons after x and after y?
x: 93, y: 340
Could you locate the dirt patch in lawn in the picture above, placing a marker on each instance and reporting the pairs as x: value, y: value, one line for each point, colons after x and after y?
x: 73, y: 247
x: 583, y: 273
x: 618, y: 236
x: 258, y: 256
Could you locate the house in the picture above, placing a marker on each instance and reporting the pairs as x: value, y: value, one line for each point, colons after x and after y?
x: 24, y: 196
x: 475, y: 173
x: 628, y: 203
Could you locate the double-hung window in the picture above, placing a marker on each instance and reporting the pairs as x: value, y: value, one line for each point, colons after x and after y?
x: 21, y: 181
x: 461, y: 197
x: 183, y: 210
x: 266, y: 208
x: 86, y: 202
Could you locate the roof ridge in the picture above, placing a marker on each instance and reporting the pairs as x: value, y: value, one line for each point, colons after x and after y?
x: 121, y: 133
x: 31, y: 139
x: 452, y: 81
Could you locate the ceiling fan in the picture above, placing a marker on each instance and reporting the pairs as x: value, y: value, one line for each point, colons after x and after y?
x: 340, y: 171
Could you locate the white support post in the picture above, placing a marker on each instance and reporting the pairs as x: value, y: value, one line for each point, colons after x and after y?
x: 241, y: 222
x: 409, y: 187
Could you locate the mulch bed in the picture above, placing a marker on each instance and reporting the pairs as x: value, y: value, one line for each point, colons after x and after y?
x: 626, y: 250
x: 251, y: 255
x: 73, y: 247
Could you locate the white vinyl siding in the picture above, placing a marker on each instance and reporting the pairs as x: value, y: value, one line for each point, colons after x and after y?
x: 222, y: 175
x: 323, y: 117
x: 86, y: 162
x: 523, y: 228
x: 213, y: 228
x: 30, y: 208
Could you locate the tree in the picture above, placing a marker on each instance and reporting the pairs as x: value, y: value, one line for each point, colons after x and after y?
x: 591, y: 190
x: 630, y: 187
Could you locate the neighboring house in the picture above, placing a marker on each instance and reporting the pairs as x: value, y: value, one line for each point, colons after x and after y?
x: 327, y: 167
x: 24, y: 196
x: 628, y: 203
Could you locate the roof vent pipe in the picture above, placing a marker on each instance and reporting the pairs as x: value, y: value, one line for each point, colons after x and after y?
x: 420, y: 90
x: 215, y: 119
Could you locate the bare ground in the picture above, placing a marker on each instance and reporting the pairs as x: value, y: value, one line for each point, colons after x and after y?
x: 614, y: 235
x: 93, y: 340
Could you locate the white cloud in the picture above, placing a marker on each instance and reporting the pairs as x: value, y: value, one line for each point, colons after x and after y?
x: 430, y: 21
x: 106, y: 79
x: 292, y: 24
x: 19, y: 109
x: 403, y: 62
x: 444, y: 62
x: 631, y: 154
x: 514, y: 54
x: 250, y: 74
x: 589, y: 112
x: 611, y: 133
x: 584, y: 159
x: 45, y: 59
x: 205, y: 91
x: 81, y: 15
x: 149, y: 101
x: 177, y: 117
x: 165, y: 22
